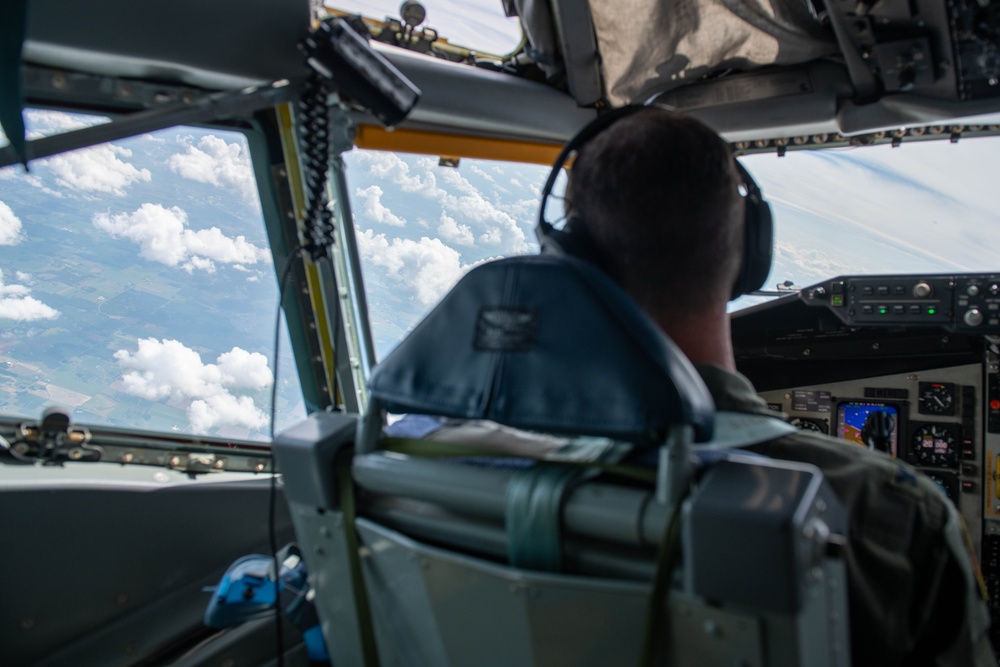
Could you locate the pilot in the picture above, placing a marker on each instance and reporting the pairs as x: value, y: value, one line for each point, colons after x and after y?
x: 658, y: 193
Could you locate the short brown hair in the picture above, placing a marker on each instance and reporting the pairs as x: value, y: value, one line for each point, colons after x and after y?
x: 659, y: 193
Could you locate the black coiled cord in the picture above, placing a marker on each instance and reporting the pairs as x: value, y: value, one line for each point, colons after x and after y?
x: 314, y: 137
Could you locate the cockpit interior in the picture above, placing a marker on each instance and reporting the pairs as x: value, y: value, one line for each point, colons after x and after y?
x: 243, y: 243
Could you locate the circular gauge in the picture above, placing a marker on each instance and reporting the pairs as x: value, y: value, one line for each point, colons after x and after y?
x: 803, y: 424
x: 948, y: 483
x: 936, y: 398
x: 934, y: 445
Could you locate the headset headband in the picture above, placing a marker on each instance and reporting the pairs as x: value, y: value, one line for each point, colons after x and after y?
x: 573, y: 238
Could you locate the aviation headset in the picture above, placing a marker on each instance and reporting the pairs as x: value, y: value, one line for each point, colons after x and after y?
x: 573, y: 239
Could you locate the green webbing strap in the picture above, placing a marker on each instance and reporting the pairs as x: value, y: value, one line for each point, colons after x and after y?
x: 533, y: 515
x: 433, y: 449
x: 13, y: 26
x: 666, y: 562
x: 345, y: 482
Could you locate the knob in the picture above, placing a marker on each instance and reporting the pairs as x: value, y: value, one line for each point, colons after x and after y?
x: 994, y: 289
x: 921, y: 290
x: 973, y: 317
x: 972, y: 290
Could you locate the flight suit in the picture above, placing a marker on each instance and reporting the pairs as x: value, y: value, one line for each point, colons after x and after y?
x: 913, y: 595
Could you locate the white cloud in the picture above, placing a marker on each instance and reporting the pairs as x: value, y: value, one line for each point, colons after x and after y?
x: 167, y: 369
x: 914, y: 208
x: 482, y: 174
x: 15, y: 304
x: 452, y: 232
x: 461, y: 201
x: 42, y: 123
x: 216, y: 162
x: 163, y: 235
x: 373, y: 207
x: 426, y: 268
x: 97, y: 169
x: 10, y: 226
x: 391, y: 167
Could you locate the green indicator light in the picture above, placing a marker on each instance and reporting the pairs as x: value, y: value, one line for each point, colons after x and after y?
x: 931, y: 311
x: 838, y: 300
x: 882, y: 311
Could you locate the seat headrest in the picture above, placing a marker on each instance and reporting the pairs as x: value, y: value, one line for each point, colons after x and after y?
x: 545, y: 343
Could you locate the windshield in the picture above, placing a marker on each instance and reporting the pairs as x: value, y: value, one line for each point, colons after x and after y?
x: 924, y: 207
x: 481, y: 25
x: 137, y: 287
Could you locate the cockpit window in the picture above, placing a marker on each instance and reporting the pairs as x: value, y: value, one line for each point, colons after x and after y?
x: 137, y: 287
x: 923, y: 207
x: 481, y: 25
x: 421, y: 226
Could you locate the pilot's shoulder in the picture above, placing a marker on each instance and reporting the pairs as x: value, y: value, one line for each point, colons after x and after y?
x: 860, y: 475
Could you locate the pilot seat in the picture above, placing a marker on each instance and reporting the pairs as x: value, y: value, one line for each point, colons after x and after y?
x: 637, y: 532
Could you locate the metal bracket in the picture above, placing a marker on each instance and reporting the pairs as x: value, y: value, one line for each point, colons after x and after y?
x: 219, y: 106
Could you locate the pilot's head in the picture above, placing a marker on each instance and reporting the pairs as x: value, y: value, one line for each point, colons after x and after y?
x: 658, y: 192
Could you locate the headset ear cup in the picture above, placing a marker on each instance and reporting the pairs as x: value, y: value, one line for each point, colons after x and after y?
x: 758, y: 238
x: 758, y: 244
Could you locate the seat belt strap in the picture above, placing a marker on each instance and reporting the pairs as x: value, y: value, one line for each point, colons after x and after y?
x: 533, y: 515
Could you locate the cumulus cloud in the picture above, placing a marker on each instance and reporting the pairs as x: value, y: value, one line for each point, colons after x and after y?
x: 15, y: 304
x: 457, y: 197
x: 452, y: 232
x: 10, y: 226
x: 97, y: 169
x: 167, y: 369
x: 163, y: 235
x: 43, y: 123
x: 216, y: 162
x: 427, y: 268
x: 373, y: 208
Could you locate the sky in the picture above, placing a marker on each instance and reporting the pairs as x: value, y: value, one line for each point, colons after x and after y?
x: 171, y: 270
x: 918, y: 208
x: 922, y: 207
x: 146, y: 264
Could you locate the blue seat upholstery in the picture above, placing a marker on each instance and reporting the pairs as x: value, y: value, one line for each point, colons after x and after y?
x: 549, y: 344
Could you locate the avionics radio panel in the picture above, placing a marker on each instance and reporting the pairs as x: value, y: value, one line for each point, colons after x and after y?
x: 963, y: 302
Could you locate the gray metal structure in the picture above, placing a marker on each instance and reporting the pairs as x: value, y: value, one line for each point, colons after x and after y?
x: 458, y: 603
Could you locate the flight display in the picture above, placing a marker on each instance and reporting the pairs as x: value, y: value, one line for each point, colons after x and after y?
x: 852, y: 418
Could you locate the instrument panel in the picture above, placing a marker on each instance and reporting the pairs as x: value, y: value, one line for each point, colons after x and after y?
x: 968, y: 302
x: 908, y: 365
x: 927, y: 419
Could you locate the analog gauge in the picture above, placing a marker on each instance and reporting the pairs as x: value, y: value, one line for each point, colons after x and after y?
x: 934, y: 445
x: 948, y: 483
x: 804, y: 424
x: 936, y: 398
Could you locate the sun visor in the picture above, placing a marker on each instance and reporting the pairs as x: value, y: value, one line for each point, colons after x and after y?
x: 650, y: 46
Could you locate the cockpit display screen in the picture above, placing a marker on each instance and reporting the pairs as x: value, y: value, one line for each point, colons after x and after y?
x: 858, y: 423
